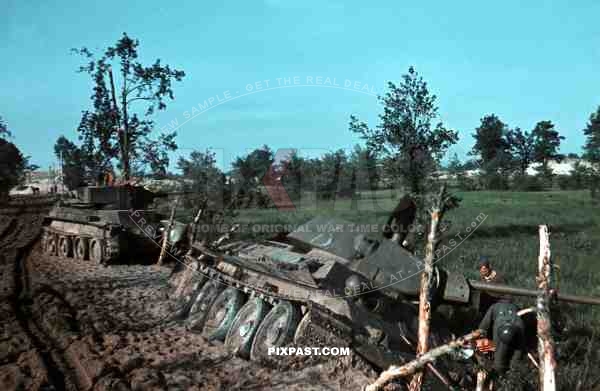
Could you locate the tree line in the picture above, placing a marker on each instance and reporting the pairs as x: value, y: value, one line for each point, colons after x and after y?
x: 405, y: 148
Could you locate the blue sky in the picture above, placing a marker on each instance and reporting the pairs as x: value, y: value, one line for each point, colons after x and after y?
x: 525, y: 62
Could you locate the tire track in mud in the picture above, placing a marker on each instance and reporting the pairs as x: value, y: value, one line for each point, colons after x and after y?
x: 55, y: 372
x: 17, y: 238
x: 61, y: 307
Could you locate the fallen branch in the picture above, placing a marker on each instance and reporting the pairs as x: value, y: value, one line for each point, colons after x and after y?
x: 547, y: 362
x: 417, y: 364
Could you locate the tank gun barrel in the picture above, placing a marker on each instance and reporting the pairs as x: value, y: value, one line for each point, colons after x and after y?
x: 516, y: 291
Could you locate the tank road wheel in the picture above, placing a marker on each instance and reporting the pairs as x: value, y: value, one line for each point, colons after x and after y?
x: 241, y: 334
x: 65, y: 245
x: 96, y: 250
x: 51, y: 244
x: 207, y: 295
x: 222, y: 312
x: 80, y: 248
x: 277, y: 329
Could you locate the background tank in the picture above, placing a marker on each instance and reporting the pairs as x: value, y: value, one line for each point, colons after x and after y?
x: 102, y: 223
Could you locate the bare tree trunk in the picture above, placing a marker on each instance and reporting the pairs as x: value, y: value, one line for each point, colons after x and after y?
x: 437, y: 212
x: 194, y: 225
x: 544, y: 323
x: 481, y: 378
x: 163, y: 249
x: 417, y: 364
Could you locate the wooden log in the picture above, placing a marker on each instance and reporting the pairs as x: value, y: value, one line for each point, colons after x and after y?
x: 163, y: 249
x: 437, y: 212
x: 546, y: 354
x: 395, y: 372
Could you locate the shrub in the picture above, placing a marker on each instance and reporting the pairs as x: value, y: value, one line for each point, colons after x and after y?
x: 527, y: 183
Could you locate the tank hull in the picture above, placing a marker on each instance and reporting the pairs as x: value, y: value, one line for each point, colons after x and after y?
x: 330, y: 318
x: 100, y: 236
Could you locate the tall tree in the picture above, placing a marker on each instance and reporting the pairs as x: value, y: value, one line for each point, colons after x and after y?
x: 521, y: 146
x: 592, y: 150
x: 201, y: 168
x: 592, y: 143
x: 251, y: 168
x: 113, y: 129
x: 335, y: 175
x: 364, y: 164
x: 73, y: 163
x: 12, y: 163
x: 546, y: 143
x: 4, y: 132
x: 491, y: 144
x: 493, y: 150
x: 12, y: 166
x: 296, y: 175
x: 248, y: 173
x: 406, y: 132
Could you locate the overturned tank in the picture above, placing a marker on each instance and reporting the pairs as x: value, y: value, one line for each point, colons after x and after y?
x: 325, y: 284
x: 103, y: 223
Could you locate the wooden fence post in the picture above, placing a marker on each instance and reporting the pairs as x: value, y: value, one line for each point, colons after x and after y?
x: 437, y: 212
x: 544, y: 324
x: 163, y: 249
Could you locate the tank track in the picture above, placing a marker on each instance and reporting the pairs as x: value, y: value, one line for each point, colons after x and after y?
x: 67, y: 244
x: 318, y: 326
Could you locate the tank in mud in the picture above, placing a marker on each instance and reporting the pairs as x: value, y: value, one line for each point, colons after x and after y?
x: 102, y: 224
x: 325, y: 284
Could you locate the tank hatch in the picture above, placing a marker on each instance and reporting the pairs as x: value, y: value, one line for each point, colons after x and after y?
x: 333, y: 235
x: 393, y: 266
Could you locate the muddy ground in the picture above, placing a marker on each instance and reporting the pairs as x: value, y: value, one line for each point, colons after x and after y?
x: 77, y: 326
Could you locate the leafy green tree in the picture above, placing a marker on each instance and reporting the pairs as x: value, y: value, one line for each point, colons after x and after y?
x: 364, y: 163
x: 406, y: 132
x: 203, y: 178
x: 493, y: 150
x: 546, y: 142
x: 248, y: 173
x: 455, y: 166
x: 335, y: 176
x: 12, y: 166
x: 522, y: 148
x: 296, y: 175
x: 591, y: 150
x: 73, y: 164
x: 120, y: 124
x: 4, y: 132
x: 252, y: 168
x: 458, y: 170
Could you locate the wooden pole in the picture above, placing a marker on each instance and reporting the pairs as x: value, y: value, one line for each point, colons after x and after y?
x: 417, y: 364
x: 481, y: 378
x: 437, y: 212
x: 163, y: 249
x: 194, y: 225
x: 547, y: 362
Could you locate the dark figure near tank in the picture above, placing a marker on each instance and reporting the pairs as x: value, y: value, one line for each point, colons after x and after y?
x: 487, y: 274
x: 508, y: 333
x: 398, y: 227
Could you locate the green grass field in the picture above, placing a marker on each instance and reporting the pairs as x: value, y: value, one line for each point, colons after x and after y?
x: 508, y: 235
